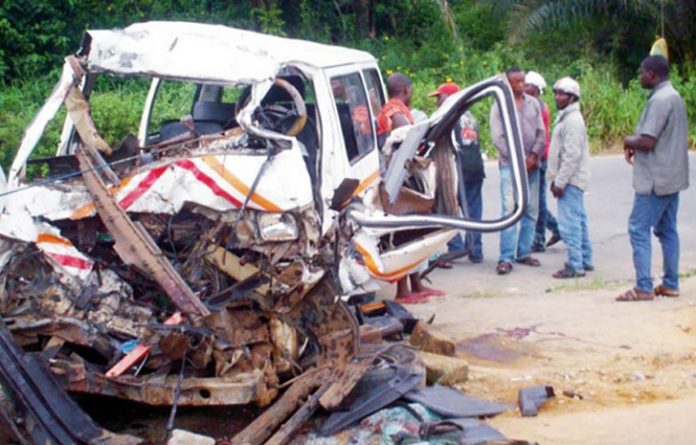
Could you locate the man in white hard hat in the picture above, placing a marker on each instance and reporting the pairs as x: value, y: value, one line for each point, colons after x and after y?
x: 658, y: 151
x: 534, y: 86
x: 568, y: 174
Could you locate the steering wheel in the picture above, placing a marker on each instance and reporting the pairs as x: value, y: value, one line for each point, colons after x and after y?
x: 281, y: 118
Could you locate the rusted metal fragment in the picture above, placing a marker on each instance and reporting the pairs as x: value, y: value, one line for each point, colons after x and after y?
x: 156, y: 390
x: 263, y: 426
x: 322, y: 317
x: 78, y: 110
x: 302, y: 415
x: 53, y: 346
x: 238, y: 329
x: 285, y: 344
x: 139, y: 353
x: 347, y: 377
x: 232, y: 265
x: 174, y: 345
x: 132, y: 243
x: 68, y: 329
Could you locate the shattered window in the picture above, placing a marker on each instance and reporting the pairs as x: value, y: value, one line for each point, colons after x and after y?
x: 353, y: 114
x: 374, y: 90
x: 115, y: 106
x: 174, y: 101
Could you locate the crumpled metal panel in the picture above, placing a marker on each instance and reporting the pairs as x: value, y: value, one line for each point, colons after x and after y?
x: 240, y: 389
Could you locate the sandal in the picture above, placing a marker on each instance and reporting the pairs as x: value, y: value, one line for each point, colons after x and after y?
x: 414, y: 298
x: 528, y: 261
x: 553, y: 240
x: 635, y: 295
x: 567, y: 272
x: 663, y: 291
x: 503, y: 267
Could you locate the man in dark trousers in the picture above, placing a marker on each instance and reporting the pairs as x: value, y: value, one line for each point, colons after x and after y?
x: 658, y: 151
x: 465, y: 140
x: 534, y: 86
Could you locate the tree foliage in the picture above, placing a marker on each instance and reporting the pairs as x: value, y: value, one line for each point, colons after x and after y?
x: 600, y: 42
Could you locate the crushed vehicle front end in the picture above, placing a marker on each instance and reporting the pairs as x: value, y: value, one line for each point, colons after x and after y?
x: 188, y: 267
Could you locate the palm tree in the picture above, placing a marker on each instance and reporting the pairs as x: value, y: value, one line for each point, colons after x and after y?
x: 673, y: 19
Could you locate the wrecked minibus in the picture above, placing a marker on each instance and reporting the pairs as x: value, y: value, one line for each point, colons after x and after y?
x: 207, y: 259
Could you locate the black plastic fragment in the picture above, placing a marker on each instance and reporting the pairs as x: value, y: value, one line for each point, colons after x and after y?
x: 399, y: 311
x: 388, y: 326
x: 451, y: 403
x: 530, y: 399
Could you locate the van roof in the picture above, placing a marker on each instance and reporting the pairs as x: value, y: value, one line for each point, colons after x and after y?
x: 207, y: 53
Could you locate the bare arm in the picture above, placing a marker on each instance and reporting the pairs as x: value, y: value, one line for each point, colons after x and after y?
x: 642, y: 142
x: 399, y: 120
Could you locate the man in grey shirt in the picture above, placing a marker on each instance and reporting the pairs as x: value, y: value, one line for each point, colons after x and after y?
x: 658, y: 152
x: 514, y: 246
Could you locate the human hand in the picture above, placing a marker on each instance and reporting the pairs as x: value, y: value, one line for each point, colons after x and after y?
x: 628, y: 155
x: 557, y: 192
x: 532, y: 162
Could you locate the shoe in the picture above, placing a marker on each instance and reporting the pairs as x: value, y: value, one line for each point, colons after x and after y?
x: 553, y: 240
x: 567, y: 272
x: 536, y: 248
x: 503, y: 267
x: 663, y: 291
x: 444, y: 264
x: 529, y: 261
x: 588, y: 267
x: 476, y: 259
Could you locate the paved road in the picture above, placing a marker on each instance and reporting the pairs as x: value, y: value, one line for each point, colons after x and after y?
x: 608, y: 201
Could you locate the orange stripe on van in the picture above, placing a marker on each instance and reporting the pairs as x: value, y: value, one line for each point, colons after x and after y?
x: 239, y: 185
x: 87, y: 209
x: 52, y: 239
x: 365, y: 183
x: 374, y: 270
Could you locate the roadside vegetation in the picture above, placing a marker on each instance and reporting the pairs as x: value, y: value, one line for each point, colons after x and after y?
x: 600, y: 43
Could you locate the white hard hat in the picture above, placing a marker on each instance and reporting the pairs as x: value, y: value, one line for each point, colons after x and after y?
x: 567, y: 85
x: 536, y: 79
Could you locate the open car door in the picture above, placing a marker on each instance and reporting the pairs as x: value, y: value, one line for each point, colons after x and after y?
x: 386, y: 255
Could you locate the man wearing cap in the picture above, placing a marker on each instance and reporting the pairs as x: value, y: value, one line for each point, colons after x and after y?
x: 568, y: 174
x: 465, y: 140
x: 658, y: 152
x: 514, y: 247
x: 534, y: 86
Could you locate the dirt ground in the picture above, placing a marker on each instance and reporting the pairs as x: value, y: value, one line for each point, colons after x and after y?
x: 623, y: 373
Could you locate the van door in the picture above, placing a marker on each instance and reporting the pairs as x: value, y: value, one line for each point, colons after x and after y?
x: 392, y: 245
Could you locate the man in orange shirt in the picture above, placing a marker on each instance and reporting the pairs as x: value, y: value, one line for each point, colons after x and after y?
x: 394, y: 114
